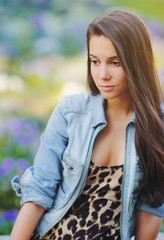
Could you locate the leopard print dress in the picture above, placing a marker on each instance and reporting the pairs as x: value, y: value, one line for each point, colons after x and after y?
x: 96, y: 213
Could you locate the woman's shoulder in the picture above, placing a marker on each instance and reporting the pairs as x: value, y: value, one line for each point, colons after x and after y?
x: 80, y: 102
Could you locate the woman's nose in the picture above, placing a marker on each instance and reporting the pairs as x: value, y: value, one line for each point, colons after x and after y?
x: 104, y: 73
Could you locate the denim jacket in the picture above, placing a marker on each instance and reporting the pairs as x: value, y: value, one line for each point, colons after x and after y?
x: 61, y: 163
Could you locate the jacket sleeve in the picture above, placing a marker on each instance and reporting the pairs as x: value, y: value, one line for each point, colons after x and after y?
x: 159, y: 211
x: 40, y: 182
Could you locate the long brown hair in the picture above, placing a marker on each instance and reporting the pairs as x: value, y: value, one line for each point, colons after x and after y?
x: 131, y: 39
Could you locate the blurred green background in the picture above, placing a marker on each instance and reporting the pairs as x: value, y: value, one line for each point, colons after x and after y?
x: 43, y: 58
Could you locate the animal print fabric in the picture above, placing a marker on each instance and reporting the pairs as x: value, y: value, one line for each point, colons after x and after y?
x: 96, y: 213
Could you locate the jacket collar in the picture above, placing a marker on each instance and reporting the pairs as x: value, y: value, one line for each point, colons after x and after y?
x: 98, y: 103
x: 132, y: 119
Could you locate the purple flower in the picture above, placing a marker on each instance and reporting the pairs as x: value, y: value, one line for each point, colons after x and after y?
x: 24, y: 132
x: 155, y: 27
x: 6, y: 166
x: 22, y: 164
x: 11, y: 167
x: 9, y: 215
x: 37, y: 21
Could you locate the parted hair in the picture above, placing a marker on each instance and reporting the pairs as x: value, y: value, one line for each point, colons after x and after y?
x: 131, y: 39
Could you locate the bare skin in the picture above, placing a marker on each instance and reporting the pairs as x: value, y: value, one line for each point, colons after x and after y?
x: 26, y: 222
x: 109, y: 147
x: 148, y: 226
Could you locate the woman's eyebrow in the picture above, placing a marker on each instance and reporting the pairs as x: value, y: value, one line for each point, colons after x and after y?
x: 111, y: 57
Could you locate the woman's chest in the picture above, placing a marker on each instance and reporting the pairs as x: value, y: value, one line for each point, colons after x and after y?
x: 109, y: 146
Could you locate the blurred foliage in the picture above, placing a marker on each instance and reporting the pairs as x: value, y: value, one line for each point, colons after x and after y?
x: 55, y: 27
x: 19, y: 139
x: 45, y: 27
x: 149, y: 8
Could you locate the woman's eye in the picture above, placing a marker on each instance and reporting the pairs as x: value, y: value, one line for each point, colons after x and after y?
x: 94, y: 62
x: 116, y: 63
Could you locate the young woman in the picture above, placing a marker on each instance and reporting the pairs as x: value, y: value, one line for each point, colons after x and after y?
x: 99, y: 170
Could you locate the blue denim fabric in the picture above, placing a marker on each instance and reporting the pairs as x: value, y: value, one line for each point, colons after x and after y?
x: 61, y: 164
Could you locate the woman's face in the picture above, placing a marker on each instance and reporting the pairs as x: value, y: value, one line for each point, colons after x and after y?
x: 106, y: 69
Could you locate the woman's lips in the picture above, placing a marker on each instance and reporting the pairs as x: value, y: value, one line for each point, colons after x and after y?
x: 106, y: 88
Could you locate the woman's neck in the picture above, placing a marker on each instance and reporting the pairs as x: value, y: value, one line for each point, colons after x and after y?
x: 117, y: 108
